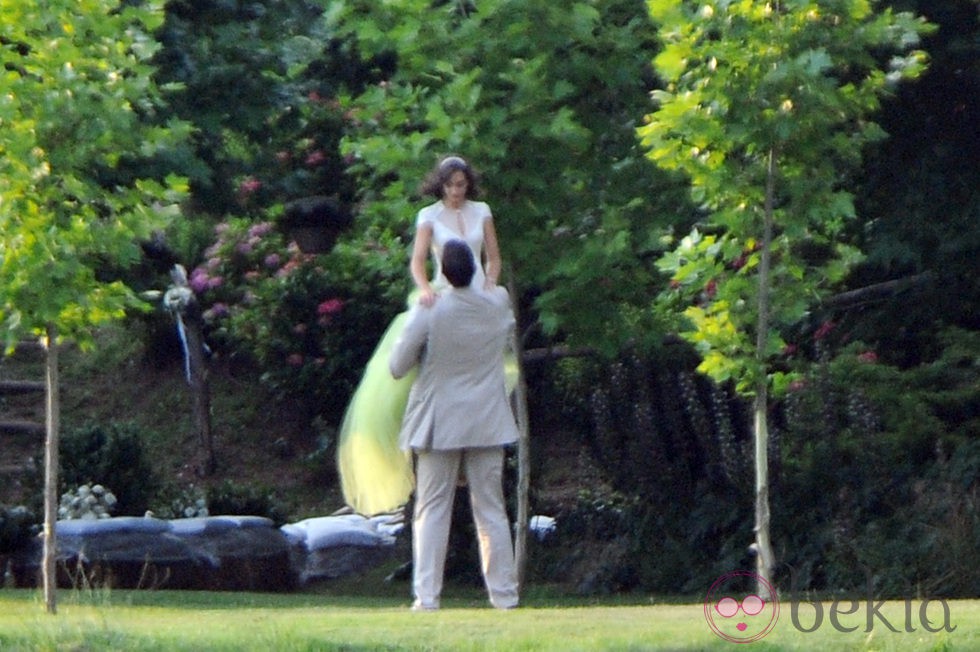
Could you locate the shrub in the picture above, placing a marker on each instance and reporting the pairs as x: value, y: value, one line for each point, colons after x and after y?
x: 310, y: 322
x: 871, y: 485
x: 180, y: 502
x: 17, y: 526
x: 873, y: 476
x: 949, y: 500
x: 321, y: 462
x: 230, y: 498
x: 673, y: 448
x: 111, y: 455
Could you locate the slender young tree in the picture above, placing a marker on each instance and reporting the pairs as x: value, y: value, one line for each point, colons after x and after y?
x: 765, y: 108
x: 77, y: 104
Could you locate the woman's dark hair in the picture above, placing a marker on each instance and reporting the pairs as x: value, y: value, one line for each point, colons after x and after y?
x: 439, y: 177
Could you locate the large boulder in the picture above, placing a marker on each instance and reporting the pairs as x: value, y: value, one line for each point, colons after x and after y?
x: 329, y: 547
x: 244, y: 553
x: 214, y: 553
x: 217, y: 553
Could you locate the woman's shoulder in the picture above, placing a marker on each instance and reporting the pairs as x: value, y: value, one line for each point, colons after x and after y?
x: 429, y: 213
x: 481, y: 208
x: 479, y: 205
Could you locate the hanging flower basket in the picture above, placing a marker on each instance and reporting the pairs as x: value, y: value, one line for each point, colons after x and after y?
x: 314, y: 223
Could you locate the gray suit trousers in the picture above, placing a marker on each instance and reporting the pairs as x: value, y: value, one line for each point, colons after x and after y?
x: 437, y: 473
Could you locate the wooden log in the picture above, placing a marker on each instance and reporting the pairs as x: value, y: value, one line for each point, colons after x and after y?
x: 18, y: 387
x: 17, y: 427
x: 878, y: 291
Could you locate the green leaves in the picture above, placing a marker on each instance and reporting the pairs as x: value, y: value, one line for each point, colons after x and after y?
x: 77, y: 99
x: 746, y: 81
x: 542, y: 98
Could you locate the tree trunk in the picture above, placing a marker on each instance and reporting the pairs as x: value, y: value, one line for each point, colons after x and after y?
x: 763, y: 546
x: 764, y: 561
x: 523, y: 476
x: 523, y: 454
x: 52, y: 418
x: 182, y: 303
x: 200, y: 395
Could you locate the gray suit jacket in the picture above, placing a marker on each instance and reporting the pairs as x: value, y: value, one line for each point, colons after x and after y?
x: 459, y: 399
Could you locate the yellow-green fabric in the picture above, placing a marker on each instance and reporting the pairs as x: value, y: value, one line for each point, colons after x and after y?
x: 376, y: 477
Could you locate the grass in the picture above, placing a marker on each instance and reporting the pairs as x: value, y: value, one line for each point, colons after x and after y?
x: 170, y: 620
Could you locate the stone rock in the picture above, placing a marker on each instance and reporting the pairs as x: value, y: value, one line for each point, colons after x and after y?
x: 330, y: 547
x: 216, y: 553
x: 339, y: 561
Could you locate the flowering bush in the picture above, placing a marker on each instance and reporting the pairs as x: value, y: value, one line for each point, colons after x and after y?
x: 246, y: 500
x: 309, y: 322
x: 180, y: 502
x: 111, y: 454
x: 88, y: 502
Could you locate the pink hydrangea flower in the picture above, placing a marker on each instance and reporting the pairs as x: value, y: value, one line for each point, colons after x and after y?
x: 260, y: 229
x: 316, y: 157
x: 330, y: 307
x: 199, y: 280
x: 288, y: 268
x: 824, y: 330
x: 868, y: 356
x: 249, y: 186
x: 216, y: 311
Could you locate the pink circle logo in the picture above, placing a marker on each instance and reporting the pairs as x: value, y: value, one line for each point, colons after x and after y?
x: 740, y: 614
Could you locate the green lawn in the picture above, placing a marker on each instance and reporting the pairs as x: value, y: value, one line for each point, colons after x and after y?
x: 171, y: 620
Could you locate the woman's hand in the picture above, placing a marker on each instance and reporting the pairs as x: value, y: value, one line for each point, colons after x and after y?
x: 427, y: 297
x: 492, y: 249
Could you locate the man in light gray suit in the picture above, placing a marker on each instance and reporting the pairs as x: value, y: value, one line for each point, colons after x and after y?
x: 458, y: 415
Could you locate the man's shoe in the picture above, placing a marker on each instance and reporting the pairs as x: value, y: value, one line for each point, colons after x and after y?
x: 421, y: 606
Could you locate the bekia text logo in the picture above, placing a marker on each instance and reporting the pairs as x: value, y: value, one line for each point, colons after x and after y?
x: 740, y: 614
x: 742, y: 607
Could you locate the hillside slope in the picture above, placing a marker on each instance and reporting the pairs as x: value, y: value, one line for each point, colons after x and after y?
x: 260, y: 442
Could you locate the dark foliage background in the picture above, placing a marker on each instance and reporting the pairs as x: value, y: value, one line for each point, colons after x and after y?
x: 875, y: 454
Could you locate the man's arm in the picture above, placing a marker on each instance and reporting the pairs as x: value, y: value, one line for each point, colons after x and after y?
x: 408, y: 348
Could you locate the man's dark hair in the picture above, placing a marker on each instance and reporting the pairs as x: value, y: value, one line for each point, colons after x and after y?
x: 458, y: 265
